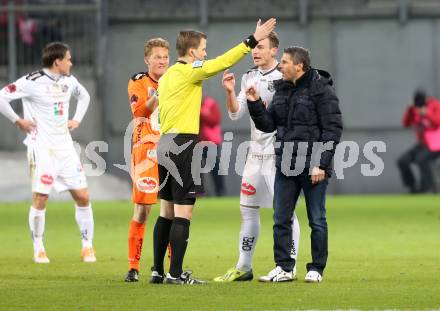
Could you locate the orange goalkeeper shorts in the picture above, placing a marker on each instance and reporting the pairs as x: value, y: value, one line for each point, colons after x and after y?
x: 145, y: 174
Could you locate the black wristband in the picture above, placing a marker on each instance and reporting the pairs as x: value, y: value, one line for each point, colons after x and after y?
x: 251, y: 41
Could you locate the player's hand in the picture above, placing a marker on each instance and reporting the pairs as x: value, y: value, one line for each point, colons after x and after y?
x: 72, y: 124
x: 228, y: 81
x: 318, y: 175
x: 26, y: 125
x: 252, y: 93
x: 152, y: 102
x: 263, y: 30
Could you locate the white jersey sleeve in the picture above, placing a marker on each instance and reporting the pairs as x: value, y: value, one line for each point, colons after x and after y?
x: 241, y: 100
x: 83, y: 100
x: 10, y: 92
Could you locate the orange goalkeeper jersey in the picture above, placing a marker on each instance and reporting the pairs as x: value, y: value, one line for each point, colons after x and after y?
x: 146, y: 123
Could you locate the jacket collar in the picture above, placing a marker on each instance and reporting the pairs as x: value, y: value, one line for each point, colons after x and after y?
x: 304, y: 79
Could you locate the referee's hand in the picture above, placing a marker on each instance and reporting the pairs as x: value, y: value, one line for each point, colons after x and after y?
x: 263, y: 30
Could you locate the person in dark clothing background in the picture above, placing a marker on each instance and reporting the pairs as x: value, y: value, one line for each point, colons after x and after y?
x: 306, y: 116
x: 424, y: 116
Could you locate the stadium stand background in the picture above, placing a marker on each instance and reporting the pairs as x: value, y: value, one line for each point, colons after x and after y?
x: 378, y: 52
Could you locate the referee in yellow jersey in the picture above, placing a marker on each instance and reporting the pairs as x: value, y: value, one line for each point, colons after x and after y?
x: 180, y: 96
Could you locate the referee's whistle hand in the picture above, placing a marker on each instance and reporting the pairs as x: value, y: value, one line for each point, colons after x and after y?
x: 263, y: 30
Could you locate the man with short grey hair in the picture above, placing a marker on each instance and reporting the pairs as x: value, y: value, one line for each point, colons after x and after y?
x: 305, y: 114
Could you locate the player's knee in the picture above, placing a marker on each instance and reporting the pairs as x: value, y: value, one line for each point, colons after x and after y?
x: 82, y: 199
x: 166, y: 209
x: 39, y: 201
x: 141, y: 212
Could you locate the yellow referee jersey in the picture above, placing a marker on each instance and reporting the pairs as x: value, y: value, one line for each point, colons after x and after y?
x: 180, y: 90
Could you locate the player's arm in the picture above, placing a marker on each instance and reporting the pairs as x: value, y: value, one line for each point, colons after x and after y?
x: 203, y: 70
x: 152, y: 101
x: 14, y: 91
x: 237, y: 105
x: 141, y: 104
x: 228, y: 82
x: 83, y: 101
x: 260, y: 115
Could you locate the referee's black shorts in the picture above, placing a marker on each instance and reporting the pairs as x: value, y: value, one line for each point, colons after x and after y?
x: 172, y: 165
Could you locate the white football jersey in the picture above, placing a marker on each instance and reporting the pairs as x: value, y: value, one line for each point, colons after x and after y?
x: 46, y: 99
x: 261, y: 142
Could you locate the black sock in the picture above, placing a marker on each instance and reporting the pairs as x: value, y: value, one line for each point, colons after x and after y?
x: 179, y: 234
x: 161, y: 236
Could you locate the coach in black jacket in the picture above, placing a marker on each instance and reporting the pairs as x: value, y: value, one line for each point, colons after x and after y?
x: 305, y: 114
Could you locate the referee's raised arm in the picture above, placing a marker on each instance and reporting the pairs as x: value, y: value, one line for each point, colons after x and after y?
x: 211, y: 67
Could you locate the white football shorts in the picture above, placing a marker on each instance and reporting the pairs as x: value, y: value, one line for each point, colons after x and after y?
x: 258, y: 179
x: 59, y: 169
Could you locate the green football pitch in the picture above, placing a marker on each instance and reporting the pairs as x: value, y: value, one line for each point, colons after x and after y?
x: 384, y: 253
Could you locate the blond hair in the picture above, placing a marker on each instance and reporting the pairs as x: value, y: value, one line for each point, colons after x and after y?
x: 155, y: 42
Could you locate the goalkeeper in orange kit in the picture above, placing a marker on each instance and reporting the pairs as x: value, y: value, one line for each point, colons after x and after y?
x: 142, y: 95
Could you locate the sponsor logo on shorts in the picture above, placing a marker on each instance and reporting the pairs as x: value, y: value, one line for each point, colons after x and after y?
x: 147, y: 184
x: 46, y: 179
x: 248, y: 189
x: 11, y: 88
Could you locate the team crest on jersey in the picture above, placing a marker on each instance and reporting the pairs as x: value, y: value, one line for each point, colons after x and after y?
x: 270, y: 86
x: 64, y: 88
x: 147, y: 184
x: 11, y: 88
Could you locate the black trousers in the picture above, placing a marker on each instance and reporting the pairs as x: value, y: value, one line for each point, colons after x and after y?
x: 422, y: 157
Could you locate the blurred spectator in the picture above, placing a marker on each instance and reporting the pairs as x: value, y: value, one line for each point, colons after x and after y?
x: 424, y: 117
x: 210, y: 130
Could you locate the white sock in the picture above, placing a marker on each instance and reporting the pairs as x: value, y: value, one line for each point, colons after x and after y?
x: 249, y: 232
x: 295, y: 237
x: 37, y: 219
x: 84, y: 219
